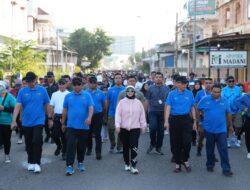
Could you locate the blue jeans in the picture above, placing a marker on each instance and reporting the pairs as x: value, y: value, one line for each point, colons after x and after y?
x: 220, y: 139
x: 156, y: 126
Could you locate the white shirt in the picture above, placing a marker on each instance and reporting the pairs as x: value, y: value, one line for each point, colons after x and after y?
x: 57, y: 100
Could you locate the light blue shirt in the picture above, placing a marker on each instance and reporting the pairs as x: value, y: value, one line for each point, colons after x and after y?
x: 99, y: 99
x: 78, y: 109
x: 33, y: 101
x: 112, y: 97
x: 200, y: 94
x: 180, y: 102
x: 231, y: 94
x: 214, y: 114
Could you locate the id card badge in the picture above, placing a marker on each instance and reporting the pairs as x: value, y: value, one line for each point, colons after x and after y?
x: 160, y: 101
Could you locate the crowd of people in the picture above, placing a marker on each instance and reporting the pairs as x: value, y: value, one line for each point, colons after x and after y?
x: 73, y: 111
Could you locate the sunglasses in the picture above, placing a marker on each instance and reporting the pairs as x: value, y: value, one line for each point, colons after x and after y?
x: 77, y: 84
x: 61, y: 83
x: 231, y: 81
x: 130, y: 90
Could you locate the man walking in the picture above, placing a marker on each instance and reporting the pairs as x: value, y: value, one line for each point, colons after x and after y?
x: 33, y: 100
x: 215, y: 110
x: 100, y: 107
x: 112, y: 97
x: 231, y: 92
x: 51, y: 87
x: 55, y: 116
x: 156, y: 95
x: 78, y: 109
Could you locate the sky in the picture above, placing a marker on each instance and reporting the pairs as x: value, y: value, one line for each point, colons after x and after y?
x: 150, y: 21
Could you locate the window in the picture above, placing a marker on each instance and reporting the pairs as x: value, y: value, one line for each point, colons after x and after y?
x: 237, y: 13
x: 227, y: 17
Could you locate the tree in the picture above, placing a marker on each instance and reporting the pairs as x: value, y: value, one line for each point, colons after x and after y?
x: 24, y: 57
x: 93, y: 46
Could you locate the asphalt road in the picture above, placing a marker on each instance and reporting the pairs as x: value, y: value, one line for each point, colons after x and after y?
x: 156, y: 172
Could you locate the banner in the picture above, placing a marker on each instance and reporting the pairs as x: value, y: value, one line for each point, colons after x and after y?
x: 233, y: 59
x: 203, y: 7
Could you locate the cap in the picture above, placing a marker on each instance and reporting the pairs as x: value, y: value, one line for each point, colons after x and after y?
x: 30, y: 76
x: 130, y: 86
x: 93, y: 79
x: 182, y: 79
x: 62, y: 81
x: 50, y: 74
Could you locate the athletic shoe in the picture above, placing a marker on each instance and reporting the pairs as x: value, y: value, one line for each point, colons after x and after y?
x: 150, y: 149
x: 228, y: 144
x: 98, y: 156
x: 88, y: 152
x: 119, y: 151
x: 37, y: 168
x: 19, y: 141
x: 7, y: 159
x: 81, y: 167
x: 158, y: 151
x: 57, y: 151
x: 227, y: 173
x: 237, y: 144
x: 31, y: 167
x: 127, y: 167
x: 248, y: 155
x: 134, y: 170
x: 64, y: 156
x: 111, y: 150
x: 69, y: 170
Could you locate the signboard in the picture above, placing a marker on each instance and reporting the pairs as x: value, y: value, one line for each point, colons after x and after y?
x: 233, y: 59
x: 203, y: 7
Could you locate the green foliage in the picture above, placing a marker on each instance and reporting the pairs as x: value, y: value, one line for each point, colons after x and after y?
x: 93, y: 46
x: 24, y: 57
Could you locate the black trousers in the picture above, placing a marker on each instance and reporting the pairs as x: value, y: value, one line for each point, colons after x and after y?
x: 33, y: 142
x: 76, y: 142
x: 247, y: 133
x: 130, y: 140
x: 96, y: 128
x: 57, y: 134
x: 5, y: 135
x: 181, y: 137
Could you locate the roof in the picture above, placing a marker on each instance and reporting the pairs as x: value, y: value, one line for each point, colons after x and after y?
x: 41, y: 11
x: 225, y: 41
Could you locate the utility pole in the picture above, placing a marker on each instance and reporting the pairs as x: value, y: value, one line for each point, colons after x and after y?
x: 194, y: 38
x: 175, y: 70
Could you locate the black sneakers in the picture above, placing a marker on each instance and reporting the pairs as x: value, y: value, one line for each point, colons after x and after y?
x: 227, y: 173
x: 150, y: 149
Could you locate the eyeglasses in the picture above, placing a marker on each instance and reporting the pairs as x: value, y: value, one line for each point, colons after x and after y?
x: 231, y: 81
x: 61, y: 83
x: 130, y: 90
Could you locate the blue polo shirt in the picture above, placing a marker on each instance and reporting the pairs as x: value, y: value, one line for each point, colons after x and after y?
x: 244, y: 102
x: 99, y: 99
x: 180, y: 102
x: 78, y: 109
x: 112, y: 97
x: 214, y: 113
x: 200, y: 94
x: 231, y: 94
x: 33, y: 101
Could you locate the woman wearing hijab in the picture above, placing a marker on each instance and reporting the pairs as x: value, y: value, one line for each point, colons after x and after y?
x: 7, y: 104
x: 130, y: 121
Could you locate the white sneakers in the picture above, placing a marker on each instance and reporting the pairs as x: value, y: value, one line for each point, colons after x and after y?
x: 133, y: 170
x: 248, y: 155
x: 127, y: 168
x: 19, y: 141
x: 7, y: 159
x: 34, y: 167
